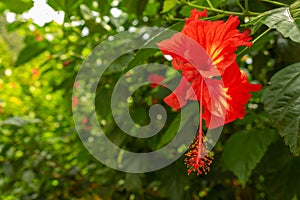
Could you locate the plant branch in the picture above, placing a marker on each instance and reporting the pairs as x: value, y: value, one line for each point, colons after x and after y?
x: 240, y: 5
x: 215, y: 17
x: 246, y: 7
x: 255, y: 40
x: 275, y: 3
x: 222, y: 11
x: 210, y: 4
x: 171, y: 18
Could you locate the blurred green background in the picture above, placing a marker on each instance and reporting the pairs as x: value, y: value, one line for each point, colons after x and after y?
x: 41, y: 155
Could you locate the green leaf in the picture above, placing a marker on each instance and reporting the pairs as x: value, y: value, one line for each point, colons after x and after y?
x: 31, y: 51
x: 282, y: 103
x: 280, y: 172
x: 286, y: 20
x: 141, y: 7
x: 244, y: 150
x: 151, y: 8
x: 133, y: 182
x: 117, y: 65
x: 174, y: 128
x: 65, y: 5
x: 136, y: 7
x: 173, y: 182
x: 17, y: 6
x: 144, y: 53
x: 170, y: 132
x: 104, y: 7
x: 168, y: 5
x: 286, y: 181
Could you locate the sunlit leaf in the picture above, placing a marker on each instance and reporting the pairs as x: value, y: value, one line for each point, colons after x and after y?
x: 151, y: 8
x: 19, y: 6
x: 282, y: 103
x: 286, y: 20
x: 65, y: 5
x: 168, y: 5
x: 31, y: 51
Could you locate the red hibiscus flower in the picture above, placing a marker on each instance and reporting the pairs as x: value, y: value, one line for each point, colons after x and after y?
x: 155, y: 80
x: 230, y: 97
x: 219, y: 39
x: 204, y: 51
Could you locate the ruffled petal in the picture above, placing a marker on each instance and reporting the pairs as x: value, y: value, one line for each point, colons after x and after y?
x: 177, y: 99
x: 230, y: 98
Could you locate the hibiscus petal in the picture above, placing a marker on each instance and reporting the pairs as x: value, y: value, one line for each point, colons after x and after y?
x: 184, y: 48
x: 177, y: 99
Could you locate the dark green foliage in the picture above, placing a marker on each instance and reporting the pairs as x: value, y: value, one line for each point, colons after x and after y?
x: 42, y: 156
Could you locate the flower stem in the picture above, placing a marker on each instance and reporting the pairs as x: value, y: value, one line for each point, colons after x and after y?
x: 200, y: 122
x: 215, y: 17
x: 240, y: 5
x: 276, y: 3
x: 210, y: 4
x: 255, y: 40
x: 261, y: 35
x: 171, y: 18
x: 249, y: 13
x: 214, y: 9
x: 246, y: 6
